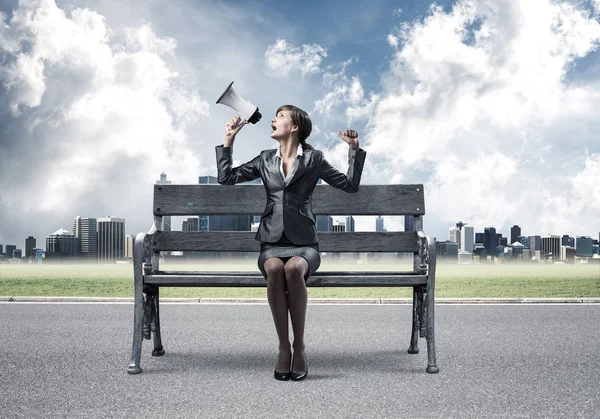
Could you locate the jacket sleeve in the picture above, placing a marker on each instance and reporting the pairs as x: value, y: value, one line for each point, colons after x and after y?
x: 230, y: 176
x: 349, y: 182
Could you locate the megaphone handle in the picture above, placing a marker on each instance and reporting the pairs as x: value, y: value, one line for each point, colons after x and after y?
x: 240, y: 123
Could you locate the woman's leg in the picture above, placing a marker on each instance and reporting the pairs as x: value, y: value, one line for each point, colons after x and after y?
x: 276, y: 295
x: 296, y: 269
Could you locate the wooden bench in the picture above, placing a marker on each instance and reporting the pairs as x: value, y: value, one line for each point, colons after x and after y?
x: 193, y: 200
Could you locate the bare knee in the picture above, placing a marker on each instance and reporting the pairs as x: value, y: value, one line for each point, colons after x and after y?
x: 296, y: 269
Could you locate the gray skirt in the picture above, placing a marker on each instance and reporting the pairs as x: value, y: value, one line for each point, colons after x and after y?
x: 285, y: 249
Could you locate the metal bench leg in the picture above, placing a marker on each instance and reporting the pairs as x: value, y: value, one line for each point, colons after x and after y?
x: 430, y: 303
x: 414, y: 338
x: 158, y: 348
x: 138, y: 319
x: 138, y: 306
x: 431, y: 361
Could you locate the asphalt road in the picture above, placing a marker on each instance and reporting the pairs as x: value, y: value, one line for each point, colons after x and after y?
x: 497, y: 361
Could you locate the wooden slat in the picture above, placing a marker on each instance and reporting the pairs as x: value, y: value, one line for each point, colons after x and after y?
x: 244, y: 241
x: 250, y: 199
x: 367, y: 279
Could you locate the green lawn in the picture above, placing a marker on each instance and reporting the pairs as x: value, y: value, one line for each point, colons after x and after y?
x: 509, y: 281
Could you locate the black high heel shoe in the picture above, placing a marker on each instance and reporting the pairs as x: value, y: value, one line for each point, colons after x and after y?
x: 298, y: 376
x: 283, y: 376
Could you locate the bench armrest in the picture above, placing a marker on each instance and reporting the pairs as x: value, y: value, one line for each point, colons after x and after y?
x: 426, y: 253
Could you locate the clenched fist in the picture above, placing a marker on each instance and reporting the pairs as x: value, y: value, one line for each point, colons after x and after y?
x: 350, y: 136
x: 233, y: 127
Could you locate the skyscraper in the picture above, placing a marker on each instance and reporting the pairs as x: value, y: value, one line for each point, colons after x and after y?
x: 453, y: 235
x: 166, y: 220
x: 111, y: 239
x: 490, y: 241
x: 324, y: 223
x: 467, y: 239
x: 349, y: 224
x: 551, y: 247
x: 379, y: 224
x: 339, y: 227
x: 584, y: 247
x: 515, y: 232
x: 86, y: 230
x: 29, y: 246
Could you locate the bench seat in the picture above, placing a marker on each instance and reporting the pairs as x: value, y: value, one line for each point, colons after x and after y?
x: 253, y: 279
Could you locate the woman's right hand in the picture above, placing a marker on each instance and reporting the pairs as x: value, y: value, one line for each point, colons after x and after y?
x: 232, y: 128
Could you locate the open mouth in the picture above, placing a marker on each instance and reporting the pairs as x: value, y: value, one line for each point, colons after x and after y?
x: 273, y: 127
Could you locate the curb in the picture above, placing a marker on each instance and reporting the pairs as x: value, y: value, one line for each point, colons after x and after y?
x: 17, y: 299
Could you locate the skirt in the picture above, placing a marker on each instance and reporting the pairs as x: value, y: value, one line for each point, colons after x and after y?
x: 285, y: 249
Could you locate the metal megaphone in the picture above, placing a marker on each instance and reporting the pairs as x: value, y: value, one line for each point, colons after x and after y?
x: 247, y: 110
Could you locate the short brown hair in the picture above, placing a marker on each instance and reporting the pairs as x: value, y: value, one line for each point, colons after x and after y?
x: 302, y: 120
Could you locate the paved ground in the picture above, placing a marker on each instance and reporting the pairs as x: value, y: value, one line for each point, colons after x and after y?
x: 500, y: 361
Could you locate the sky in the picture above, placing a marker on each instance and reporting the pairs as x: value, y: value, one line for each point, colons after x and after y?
x: 488, y: 103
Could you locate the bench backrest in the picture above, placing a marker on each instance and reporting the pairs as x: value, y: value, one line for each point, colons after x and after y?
x: 250, y: 199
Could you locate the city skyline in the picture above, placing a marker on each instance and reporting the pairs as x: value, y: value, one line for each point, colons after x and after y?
x: 491, y: 109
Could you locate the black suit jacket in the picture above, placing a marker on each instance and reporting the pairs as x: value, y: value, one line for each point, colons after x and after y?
x: 289, y: 208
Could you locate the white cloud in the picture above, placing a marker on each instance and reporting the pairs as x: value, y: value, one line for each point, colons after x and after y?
x: 114, y: 103
x: 283, y: 58
x: 478, y: 97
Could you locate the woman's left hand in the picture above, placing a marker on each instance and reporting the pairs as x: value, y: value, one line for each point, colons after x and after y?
x: 350, y: 136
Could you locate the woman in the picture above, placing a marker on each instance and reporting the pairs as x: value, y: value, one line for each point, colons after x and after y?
x: 287, y: 232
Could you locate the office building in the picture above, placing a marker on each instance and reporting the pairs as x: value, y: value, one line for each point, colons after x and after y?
x: 379, y: 224
x: 535, y: 243
x: 550, y: 248
x: 584, y: 247
x: 339, y: 227
x: 515, y: 232
x: 349, y: 224
x: 466, y: 241
x: 479, y: 237
x: 9, y: 251
x: 453, y: 235
x: 1, y: 250
x: 86, y: 230
x: 490, y: 241
x: 409, y: 223
x: 129, y: 240
x: 111, y: 239
x: 166, y: 220
x: 324, y: 223
x: 61, y: 245
x: 524, y: 240
x: 191, y: 224
x: 447, y: 251
x: 29, y: 246
x: 17, y: 254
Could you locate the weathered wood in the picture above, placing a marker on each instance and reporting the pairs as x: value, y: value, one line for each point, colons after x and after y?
x: 244, y: 241
x: 326, y: 200
x: 367, y: 279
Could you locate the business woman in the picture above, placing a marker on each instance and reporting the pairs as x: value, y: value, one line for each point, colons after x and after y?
x: 287, y: 231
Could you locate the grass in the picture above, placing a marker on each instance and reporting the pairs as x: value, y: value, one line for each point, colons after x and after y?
x: 456, y: 281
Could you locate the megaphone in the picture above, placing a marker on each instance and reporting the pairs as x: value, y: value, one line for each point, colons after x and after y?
x: 247, y: 110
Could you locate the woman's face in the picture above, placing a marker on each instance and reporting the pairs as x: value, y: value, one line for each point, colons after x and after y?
x: 282, y: 125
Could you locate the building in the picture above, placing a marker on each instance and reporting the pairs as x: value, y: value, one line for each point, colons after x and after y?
x: 61, y: 245
x: 584, y: 247
x: 490, y: 241
x: 409, y: 223
x: 29, y: 246
x: 9, y: 251
x: 191, y: 224
x: 447, y: 251
x: 468, y: 239
x: 111, y: 239
x: 129, y: 240
x: 535, y: 243
x: 454, y: 235
x: 379, y: 224
x: 324, y: 223
x: 86, y: 230
x: 349, y: 224
x: 339, y: 227
x: 479, y: 237
x: 524, y: 240
x: 515, y: 232
x: 550, y: 248
x: 166, y: 220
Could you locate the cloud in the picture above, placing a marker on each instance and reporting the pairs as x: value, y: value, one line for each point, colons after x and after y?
x: 96, y: 113
x: 283, y: 58
x: 478, y: 105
